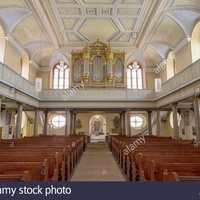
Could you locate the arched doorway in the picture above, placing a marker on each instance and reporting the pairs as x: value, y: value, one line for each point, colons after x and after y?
x: 97, y: 128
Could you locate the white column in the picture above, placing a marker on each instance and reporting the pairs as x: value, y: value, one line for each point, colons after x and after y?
x: 158, y: 122
x: 128, y: 122
x: 36, y: 122
x: 71, y: 122
x: 196, y: 106
x: 19, y: 120
x: 46, y: 121
x: 0, y: 108
x: 74, y: 121
x: 67, y: 123
x: 149, y: 122
x: 175, y: 120
x: 121, y: 123
x: 124, y: 123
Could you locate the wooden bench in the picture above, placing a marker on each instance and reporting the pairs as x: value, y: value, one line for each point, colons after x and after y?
x: 142, y: 159
x: 174, y: 177
x: 62, y: 164
x: 131, y: 164
x: 144, y: 170
x: 25, y: 176
x: 38, y: 170
x: 183, y: 169
x: 69, y: 148
x: 55, y: 162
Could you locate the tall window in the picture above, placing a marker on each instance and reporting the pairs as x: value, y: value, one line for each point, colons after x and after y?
x: 195, y: 42
x: 61, y: 77
x: 171, y: 67
x: 134, y: 76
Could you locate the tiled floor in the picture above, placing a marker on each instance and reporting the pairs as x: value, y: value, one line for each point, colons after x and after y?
x: 97, y: 164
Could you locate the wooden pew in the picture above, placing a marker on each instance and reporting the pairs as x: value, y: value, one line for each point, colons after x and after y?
x: 54, y: 160
x: 174, y: 177
x: 143, y: 159
x: 61, y: 157
x: 74, y: 147
x: 75, y: 144
x: 152, y: 144
x: 183, y: 169
x: 25, y: 176
x: 145, y: 172
x: 38, y: 170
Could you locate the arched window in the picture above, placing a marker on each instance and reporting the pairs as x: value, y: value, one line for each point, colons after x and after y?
x: 58, y: 121
x: 2, y: 44
x: 134, y: 76
x: 171, y: 67
x: 25, y: 66
x: 138, y: 121
x: 195, y: 42
x: 61, y: 76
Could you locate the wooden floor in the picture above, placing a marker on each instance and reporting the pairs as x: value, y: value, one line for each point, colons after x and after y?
x: 97, y: 164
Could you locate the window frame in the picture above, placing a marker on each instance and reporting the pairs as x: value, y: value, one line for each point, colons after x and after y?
x: 59, y: 121
x: 133, y: 77
x: 66, y: 77
x: 143, y: 121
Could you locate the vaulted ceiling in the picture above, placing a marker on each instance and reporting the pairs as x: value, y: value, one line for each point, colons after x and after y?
x: 48, y: 30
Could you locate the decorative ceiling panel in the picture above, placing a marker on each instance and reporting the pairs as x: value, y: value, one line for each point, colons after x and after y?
x: 70, y: 11
x: 128, y: 11
x: 91, y: 11
x: 6, y: 3
x: 151, y: 57
x: 97, y: 1
x: 124, y: 38
x: 43, y: 56
x: 133, y: 1
x: 66, y: 1
x: 168, y: 33
x: 69, y: 23
x: 128, y: 24
x: 28, y: 32
x: 94, y: 29
x: 195, y: 3
x: 106, y: 11
x: 73, y: 38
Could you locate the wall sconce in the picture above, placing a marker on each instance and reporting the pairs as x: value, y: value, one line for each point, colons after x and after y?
x: 12, y: 90
x: 38, y: 84
x: 158, y: 85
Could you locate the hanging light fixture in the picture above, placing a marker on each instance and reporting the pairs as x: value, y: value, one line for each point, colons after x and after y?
x: 38, y: 84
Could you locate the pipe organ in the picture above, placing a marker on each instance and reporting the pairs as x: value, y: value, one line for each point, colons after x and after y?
x: 98, y: 65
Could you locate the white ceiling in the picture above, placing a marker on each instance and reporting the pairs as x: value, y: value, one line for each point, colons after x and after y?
x: 146, y: 29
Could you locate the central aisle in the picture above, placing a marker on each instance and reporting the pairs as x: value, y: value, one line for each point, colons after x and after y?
x: 97, y: 164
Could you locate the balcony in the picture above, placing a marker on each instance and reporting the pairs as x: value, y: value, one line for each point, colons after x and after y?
x: 189, y: 77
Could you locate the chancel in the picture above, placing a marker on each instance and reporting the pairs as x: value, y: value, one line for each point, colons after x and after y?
x: 99, y: 91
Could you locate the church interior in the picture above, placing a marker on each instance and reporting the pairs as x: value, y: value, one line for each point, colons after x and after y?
x: 115, y: 83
